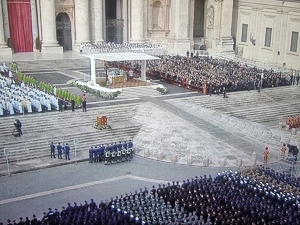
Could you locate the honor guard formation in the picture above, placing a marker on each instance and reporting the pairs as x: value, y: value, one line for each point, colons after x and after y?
x: 111, y: 153
x: 293, y: 121
x: 253, y: 196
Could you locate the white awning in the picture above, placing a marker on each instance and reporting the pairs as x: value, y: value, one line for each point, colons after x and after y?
x: 121, y: 56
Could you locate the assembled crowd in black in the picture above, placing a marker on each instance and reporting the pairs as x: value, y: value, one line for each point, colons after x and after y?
x: 252, y: 196
x: 204, y: 71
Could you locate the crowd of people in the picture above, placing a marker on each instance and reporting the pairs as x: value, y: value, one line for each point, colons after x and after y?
x: 103, y: 47
x: 111, y: 153
x: 293, y: 121
x: 217, y: 73
x: 252, y: 196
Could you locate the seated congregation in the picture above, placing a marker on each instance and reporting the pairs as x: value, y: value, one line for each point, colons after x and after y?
x: 252, y: 196
x: 200, y: 72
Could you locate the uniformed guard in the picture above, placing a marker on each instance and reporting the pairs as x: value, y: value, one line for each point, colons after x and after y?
x: 59, y: 151
x: 52, y: 148
x: 91, y: 154
x: 67, y: 151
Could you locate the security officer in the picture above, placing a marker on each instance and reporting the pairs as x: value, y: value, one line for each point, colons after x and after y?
x: 59, y: 151
x: 52, y: 148
x: 67, y: 151
x: 91, y: 152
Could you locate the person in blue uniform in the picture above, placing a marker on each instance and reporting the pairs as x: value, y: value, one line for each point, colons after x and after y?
x: 59, y: 151
x: 67, y: 151
x: 91, y: 152
x: 130, y: 144
x: 52, y: 148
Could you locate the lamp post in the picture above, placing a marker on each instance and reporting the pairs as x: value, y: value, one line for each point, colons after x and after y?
x: 6, y: 153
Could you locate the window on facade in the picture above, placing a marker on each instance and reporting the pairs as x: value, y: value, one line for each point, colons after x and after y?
x: 244, y: 32
x: 268, y: 37
x: 294, y: 41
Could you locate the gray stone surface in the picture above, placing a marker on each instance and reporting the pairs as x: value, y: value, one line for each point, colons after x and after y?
x: 195, y: 130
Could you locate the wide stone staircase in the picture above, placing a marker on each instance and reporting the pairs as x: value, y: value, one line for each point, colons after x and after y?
x: 40, y: 129
x: 270, y: 106
x: 250, y: 115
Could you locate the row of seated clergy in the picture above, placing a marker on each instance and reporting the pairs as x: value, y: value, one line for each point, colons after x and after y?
x: 14, y: 98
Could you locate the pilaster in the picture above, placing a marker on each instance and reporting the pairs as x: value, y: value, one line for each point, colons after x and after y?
x: 137, y: 21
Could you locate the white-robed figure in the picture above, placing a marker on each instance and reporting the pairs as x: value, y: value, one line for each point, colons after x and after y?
x: 54, y: 101
x: 29, y: 107
x: 1, y: 110
x: 10, y: 108
x: 48, y: 104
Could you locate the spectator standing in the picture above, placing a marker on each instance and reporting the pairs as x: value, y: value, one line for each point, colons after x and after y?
x: 73, y: 104
x: 59, y: 151
x: 67, y: 151
x: 84, y: 98
x: 52, y: 148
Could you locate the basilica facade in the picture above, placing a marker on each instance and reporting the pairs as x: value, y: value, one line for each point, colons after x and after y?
x: 251, y: 29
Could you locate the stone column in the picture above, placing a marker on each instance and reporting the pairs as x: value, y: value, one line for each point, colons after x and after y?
x: 81, y: 22
x: 34, y: 20
x: 3, y: 47
x: 125, y: 20
x: 137, y: 21
x: 96, y: 20
x: 49, y: 38
x: 181, y: 26
x: 5, y: 19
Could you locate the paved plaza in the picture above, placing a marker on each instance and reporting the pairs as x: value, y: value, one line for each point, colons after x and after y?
x: 174, y: 136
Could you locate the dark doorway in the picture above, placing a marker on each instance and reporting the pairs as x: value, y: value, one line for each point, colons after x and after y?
x: 63, y: 31
x: 114, y: 25
x: 199, y: 18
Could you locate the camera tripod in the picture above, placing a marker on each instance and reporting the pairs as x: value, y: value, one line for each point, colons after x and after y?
x: 16, y: 132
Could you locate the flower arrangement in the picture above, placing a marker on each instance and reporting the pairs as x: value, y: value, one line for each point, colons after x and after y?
x: 103, y: 94
x: 101, y: 127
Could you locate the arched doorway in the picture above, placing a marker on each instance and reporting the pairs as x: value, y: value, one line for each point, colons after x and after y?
x: 63, y: 31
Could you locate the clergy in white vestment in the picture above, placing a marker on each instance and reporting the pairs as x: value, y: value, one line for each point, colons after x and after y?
x: 39, y: 106
x: 10, y: 108
x: 48, y: 104
x: 29, y: 107
x: 1, y: 110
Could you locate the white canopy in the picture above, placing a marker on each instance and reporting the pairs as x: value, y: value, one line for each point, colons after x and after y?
x: 122, y: 56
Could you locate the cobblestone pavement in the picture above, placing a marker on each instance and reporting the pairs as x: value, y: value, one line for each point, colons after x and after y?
x: 182, y: 125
